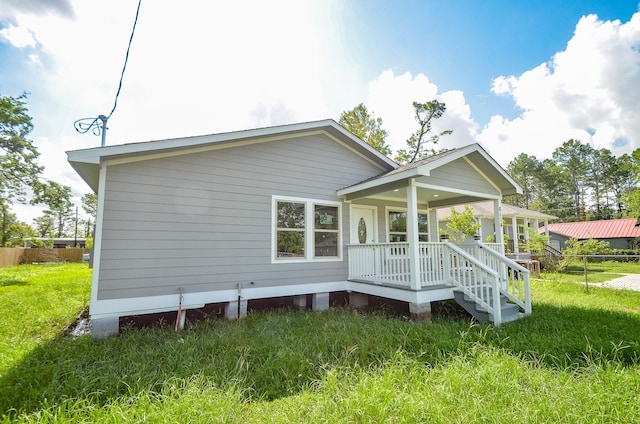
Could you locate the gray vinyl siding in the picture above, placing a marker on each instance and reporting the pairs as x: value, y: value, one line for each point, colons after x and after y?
x: 202, y: 221
x: 459, y: 175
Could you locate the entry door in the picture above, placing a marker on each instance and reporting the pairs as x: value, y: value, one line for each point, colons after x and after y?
x: 363, y: 225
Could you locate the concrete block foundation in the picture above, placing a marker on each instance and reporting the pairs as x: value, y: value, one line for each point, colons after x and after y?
x: 420, y: 311
x: 104, y: 327
x: 300, y: 302
x: 320, y: 302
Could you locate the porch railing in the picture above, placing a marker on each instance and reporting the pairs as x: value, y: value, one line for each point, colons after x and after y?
x: 389, y: 263
x: 514, y: 278
x: 480, y: 271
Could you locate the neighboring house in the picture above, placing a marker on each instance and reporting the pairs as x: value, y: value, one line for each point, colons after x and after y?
x: 620, y: 233
x: 55, y: 242
x: 515, y: 219
x: 296, y: 210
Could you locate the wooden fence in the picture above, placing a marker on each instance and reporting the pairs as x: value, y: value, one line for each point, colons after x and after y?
x: 11, y: 256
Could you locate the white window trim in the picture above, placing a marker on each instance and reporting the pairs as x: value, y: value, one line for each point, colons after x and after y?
x: 388, y: 209
x: 309, y: 247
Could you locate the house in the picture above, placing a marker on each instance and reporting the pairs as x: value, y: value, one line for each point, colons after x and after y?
x: 620, y: 233
x: 55, y: 242
x: 516, y: 219
x: 299, y: 210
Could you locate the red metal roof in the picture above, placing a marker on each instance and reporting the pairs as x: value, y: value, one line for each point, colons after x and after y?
x: 612, y: 228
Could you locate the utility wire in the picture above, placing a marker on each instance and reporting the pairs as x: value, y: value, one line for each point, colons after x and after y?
x: 83, y: 125
x: 126, y: 59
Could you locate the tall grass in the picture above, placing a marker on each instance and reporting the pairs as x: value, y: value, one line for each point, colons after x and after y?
x: 576, y: 359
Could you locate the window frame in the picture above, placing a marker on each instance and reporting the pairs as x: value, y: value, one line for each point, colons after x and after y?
x: 309, y: 230
x: 389, y: 209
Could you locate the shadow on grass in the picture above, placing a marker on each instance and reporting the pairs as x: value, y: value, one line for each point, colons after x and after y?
x: 270, y: 355
x: 8, y: 282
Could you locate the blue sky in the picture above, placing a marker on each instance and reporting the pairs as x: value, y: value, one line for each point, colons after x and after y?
x: 517, y: 77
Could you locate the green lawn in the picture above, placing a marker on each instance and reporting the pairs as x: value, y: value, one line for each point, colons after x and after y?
x: 576, y: 359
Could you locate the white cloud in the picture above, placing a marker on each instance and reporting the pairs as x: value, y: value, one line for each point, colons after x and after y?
x: 205, y: 67
x: 589, y: 91
x: 18, y: 36
x: 194, y: 68
x: 391, y: 97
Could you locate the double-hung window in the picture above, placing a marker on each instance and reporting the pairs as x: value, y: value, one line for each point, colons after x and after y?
x: 306, y: 229
x: 397, y: 226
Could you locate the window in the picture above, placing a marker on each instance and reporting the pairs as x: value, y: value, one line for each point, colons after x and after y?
x: 326, y: 231
x: 306, y: 229
x: 290, y: 229
x: 397, y: 224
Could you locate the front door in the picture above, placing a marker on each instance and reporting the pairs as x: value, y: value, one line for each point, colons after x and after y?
x: 363, y: 225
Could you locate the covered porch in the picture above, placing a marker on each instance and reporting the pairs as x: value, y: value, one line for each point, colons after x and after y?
x: 403, y: 252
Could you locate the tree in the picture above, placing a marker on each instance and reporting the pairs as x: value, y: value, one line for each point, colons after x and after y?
x: 553, y: 191
x: 574, y: 156
x: 44, y: 225
x: 58, y: 198
x: 366, y: 127
x: 525, y: 170
x: 90, y: 207
x: 622, y: 178
x: 416, y: 144
x: 600, y: 170
x: 18, y: 169
x: 13, y: 231
x: 462, y: 225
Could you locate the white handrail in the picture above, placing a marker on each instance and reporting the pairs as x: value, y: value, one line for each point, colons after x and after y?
x: 480, y: 283
x: 517, y: 286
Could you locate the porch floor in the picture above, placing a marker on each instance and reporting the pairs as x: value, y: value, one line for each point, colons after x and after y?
x: 402, y: 286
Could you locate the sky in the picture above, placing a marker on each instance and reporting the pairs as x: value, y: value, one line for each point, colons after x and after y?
x: 516, y: 77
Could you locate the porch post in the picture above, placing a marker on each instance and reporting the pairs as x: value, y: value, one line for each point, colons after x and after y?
x: 546, y: 228
x: 434, y: 226
x: 514, y: 224
x: 497, y: 223
x: 412, y: 234
x: 525, y: 224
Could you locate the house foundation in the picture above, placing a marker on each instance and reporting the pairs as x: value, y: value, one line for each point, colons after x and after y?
x: 300, y: 302
x: 231, y: 310
x: 420, y: 311
x: 320, y: 302
x: 104, y: 327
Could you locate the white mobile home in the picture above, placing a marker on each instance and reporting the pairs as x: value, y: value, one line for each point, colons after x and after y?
x: 294, y: 210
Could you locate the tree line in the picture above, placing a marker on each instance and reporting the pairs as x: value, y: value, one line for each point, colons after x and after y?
x: 21, y: 181
x: 577, y: 183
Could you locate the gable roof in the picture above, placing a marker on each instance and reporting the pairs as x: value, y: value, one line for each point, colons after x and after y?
x: 474, y: 152
x: 485, y: 210
x: 87, y: 162
x: 604, y: 229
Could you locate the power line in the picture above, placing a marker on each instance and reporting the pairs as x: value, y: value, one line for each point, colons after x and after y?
x: 85, y: 125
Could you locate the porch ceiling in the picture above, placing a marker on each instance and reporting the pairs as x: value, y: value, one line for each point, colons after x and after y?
x: 457, y: 176
x: 397, y: 192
